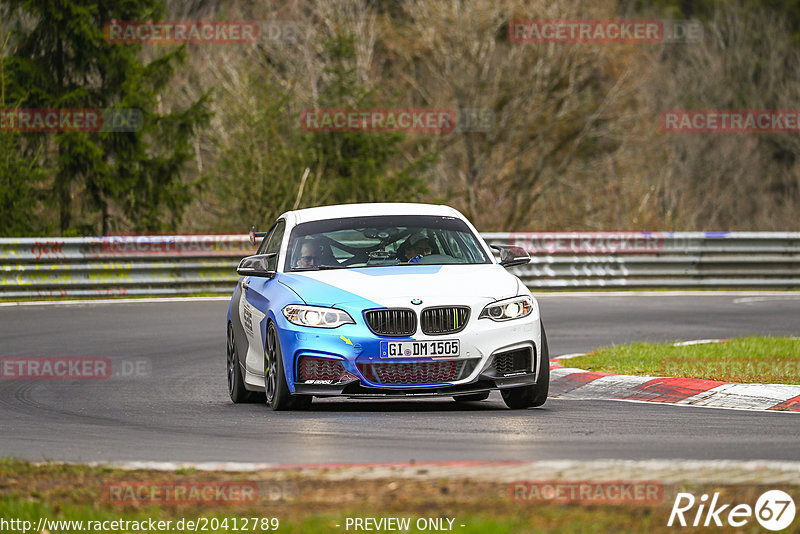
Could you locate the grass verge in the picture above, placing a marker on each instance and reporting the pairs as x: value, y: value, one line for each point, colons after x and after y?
x: 755, y: 359
x: 316, y: 502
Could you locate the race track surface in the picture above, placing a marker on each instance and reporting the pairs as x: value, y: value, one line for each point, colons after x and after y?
x: 179, y: 409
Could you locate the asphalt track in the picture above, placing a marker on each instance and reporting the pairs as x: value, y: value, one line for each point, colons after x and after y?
x: 178, y: 409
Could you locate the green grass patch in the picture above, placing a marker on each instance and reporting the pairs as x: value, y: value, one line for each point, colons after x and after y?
x: 548, y: 518
x: 756, y: 359
x: 307, y: 503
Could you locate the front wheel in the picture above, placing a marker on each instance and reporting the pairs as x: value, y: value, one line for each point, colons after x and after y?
x: 278, y: 395
x: 535, y: 394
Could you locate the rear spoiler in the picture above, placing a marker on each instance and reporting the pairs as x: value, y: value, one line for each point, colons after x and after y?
x: 254, y: 235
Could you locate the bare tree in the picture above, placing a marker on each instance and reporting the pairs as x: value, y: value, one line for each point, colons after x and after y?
x: 557, y: 106
x: 731, y: 180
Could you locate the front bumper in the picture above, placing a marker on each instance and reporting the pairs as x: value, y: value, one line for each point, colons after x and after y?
x: 358, y: 351
x: 356, y: 390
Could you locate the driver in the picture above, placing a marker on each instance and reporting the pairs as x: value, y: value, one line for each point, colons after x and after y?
x: 419, y: 248
x: 309, y: 255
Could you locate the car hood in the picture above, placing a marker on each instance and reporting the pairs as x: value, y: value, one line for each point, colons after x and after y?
x: 389, y: 286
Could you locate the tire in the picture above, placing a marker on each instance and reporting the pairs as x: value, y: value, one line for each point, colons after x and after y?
x: 472, y: 397
x: 535, y: 394
x: 278, y: 396
x: 238, y: 393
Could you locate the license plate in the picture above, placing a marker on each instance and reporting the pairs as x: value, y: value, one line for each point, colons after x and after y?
x: 445, y: 348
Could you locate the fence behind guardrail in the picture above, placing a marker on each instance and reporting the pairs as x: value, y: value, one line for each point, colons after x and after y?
x: 191, y: 264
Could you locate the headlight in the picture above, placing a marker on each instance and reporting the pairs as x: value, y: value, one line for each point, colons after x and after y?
x: 505, y: 310
x: 316, y: 316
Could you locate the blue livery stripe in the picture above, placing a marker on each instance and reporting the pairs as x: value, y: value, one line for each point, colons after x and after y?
x: 317, y: 293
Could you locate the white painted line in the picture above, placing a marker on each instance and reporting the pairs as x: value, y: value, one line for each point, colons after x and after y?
x: 568, y: 356
x: 678, y: 405
x: 564, y: 371
x: 607, y: 387
x: 758, y: 397
x: 200, y: 466
x: 744, y: 396
x: 760, y: 298
x: 90, y: 302
x: 696, y: 342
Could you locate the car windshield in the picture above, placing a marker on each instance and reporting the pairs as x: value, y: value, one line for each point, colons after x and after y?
x: 380, y: 241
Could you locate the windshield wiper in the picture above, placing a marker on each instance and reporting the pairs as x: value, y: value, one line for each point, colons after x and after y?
x: 319, y: 268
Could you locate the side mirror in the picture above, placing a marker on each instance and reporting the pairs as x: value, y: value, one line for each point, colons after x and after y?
x: 257, y: 265
x: 510, y: 256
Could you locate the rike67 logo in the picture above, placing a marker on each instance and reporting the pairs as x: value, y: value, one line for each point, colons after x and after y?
x: 774, y: 510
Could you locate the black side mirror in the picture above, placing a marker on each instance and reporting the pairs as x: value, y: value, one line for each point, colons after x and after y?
x: 510, y: 256
x: 258, y: 265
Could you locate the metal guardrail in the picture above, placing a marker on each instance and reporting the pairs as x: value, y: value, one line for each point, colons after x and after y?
x: 188, y: 264
x: 658, y: 260
x: 120, y: 265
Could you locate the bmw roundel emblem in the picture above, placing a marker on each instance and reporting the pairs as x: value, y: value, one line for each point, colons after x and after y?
x: 416, y: 301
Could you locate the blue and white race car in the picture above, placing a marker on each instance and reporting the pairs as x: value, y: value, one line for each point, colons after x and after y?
x: 384, y: 300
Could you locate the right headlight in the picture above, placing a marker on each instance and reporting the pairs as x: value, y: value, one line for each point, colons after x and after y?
x: 316, y: 316
x: 508, y: 309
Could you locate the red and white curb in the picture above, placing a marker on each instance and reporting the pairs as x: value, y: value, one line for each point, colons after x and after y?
x: 573, y: 383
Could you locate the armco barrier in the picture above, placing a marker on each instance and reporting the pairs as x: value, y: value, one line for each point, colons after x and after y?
x: 658, y: 259
x: 186, y: 264
x: 120, y: 265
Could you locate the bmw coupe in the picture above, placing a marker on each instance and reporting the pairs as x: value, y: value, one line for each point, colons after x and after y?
x: 387, y: 300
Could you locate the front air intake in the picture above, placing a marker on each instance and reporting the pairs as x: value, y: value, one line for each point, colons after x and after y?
x: 513, y: 362
x: 410, y: 373
x: 310, y: 368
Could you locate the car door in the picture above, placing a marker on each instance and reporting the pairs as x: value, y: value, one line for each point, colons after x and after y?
x: 242, y: 312
x: 255, y: 302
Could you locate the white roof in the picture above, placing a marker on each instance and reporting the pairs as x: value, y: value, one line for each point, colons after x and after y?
x: 377, y: 208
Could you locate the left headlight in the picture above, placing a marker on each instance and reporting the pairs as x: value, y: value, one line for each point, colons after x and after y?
x: 505, y: 310
x: 316, y: 316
